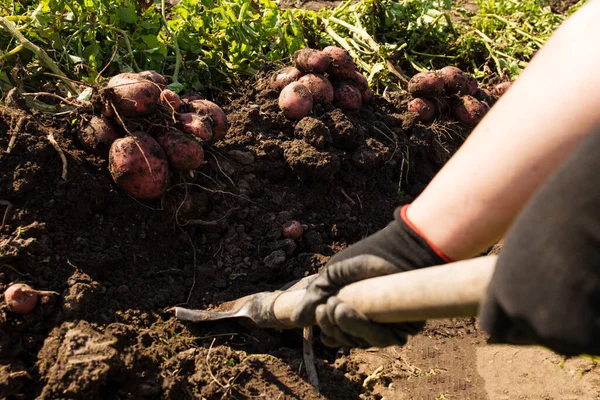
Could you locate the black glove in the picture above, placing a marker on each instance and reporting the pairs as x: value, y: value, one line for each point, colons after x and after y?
x: 396, y: 248
x: 546, y: 286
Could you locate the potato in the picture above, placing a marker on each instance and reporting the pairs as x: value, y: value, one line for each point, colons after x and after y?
x: 20, y: 298
x: 360, y: 81
x: 96, y: 134
x: 484, y: 95
x: 426, y: 84
x: 183, y: 151
x: 347, y: 97
x: 319, y: 87
x: 342, y: 65
x: 197, y: 125
x: 472, y: 86
x: 284, y: 77
x: 311, y: 60
x: 455, y: 80
x: 139, y: 166
x: 502, y: 88
x: 468, y: 110
x: 425, y: 109
x: 367, y: 96
x: 218, y: 118
x: 292, y: 229
x: 133, y: 95
x: 154, y: 77
x: 170, y: 98
x: 295, y: 100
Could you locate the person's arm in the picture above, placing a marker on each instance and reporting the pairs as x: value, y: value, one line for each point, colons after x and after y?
x: 536, y: 125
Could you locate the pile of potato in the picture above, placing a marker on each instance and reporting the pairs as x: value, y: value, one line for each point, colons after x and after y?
x: 139, y: 162
x: 327, y: 76
x: 451, y: 90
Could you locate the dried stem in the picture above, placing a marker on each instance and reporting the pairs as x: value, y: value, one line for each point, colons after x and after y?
x: 61, y: 153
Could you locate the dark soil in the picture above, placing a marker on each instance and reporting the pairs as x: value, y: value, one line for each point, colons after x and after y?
x: 119, y: 264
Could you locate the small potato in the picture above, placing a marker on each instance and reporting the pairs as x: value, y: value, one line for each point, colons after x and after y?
x: 468, y: 110
x: 472, y: 86
x: 20, y: 298
x: 218, y: 123
x: 170, y: 98
x: 502, y: 88
x: 367, y: 96
x: 426, y: 84
x: 183, y: 151
x: 347, y: 97
x: 292, y: 229
x: 342, y: 65
x: 360, y: 81
x: 139, y: 166
x: 295, y: 100
x: 197, y: 125
x: 133, y: 95
x: 284, y: 77
x: 97, y: 134
x: 455, y: 80
x: 319, y: 86
x: 425, y: 109
x: 311, y: 61
x: 154, y: 77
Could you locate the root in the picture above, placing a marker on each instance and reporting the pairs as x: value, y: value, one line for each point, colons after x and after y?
x: 221, y: 170
x: 348, y: 197
x: 309, y: 358
x: 9, y: 206
x: 13, y: 137
x: 61, y: 153
x: 52, y: 95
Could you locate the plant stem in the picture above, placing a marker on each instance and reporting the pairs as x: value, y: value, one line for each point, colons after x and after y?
x: 12, y: 52
x: 175, y: 44
x: 40, y: 53
x: 127, y: 43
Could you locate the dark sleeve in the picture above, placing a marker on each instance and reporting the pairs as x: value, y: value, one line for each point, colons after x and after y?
x: 546, y: 287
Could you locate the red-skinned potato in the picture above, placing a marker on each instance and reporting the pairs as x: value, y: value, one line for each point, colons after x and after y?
x: 347, y: 97
x: 468, y: 110
x: 502, y: 88
x: 367, y: 96
x: 97, y: 134
x: 183, y: 151
x: 295, y: 101
x: 484, y: 95
x: 22, y: 298
x: 426, y: 84
x: 284, y: 77
x: 132, y: 95
x: 154, y: 77
x: 360, y: 81
x: 292, y: 229
x: 342, y: 65
x: 311, y: 61
x: 455, y: 80
x: 197, y: 125
x: 170, y: 98
x: 139, y: 166
x: 218, y: 118
x: 425, y: 109
x: 319, y: 87
x: 472, y: 86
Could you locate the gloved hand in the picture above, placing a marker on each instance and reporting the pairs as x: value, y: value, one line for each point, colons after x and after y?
x: 396, y: 248
x: 546, y: 285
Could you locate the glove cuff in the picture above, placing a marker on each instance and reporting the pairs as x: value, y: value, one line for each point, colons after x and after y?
x: 402, y: 215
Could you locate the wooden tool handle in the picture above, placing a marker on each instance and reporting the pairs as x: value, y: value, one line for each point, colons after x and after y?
x: 445, y: 291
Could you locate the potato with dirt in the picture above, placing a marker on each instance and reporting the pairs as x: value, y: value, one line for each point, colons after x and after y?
x: 22, y: 298
x: 426, y: 84
x: 455, y: 80
x: 139, y: 166
x: 170, y: 99
x: 342, y: 65
x: 196, y: 125
x: 295, y: 101
x: 154, y: 77
x: 96, y: 134
x: 502, y: 88
x: 320, y: 88
x: 183, y: 151
x: 468, y: 110
x: 218, y: 123
x: 347, y: 97
x: 132, y: 95
x: 311, y: 61
x: 284, y: 77
x: 424, y: 109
